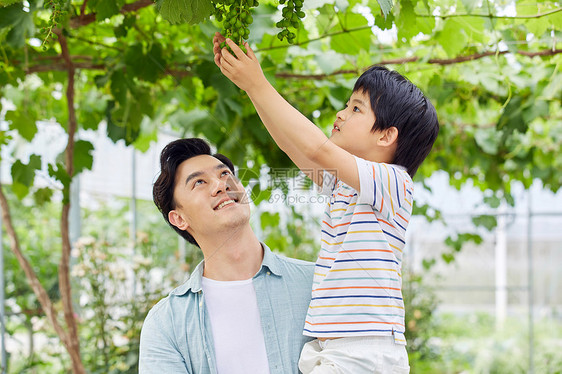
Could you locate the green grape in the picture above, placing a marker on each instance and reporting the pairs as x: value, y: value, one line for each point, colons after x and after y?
x: 292, y: 14
x: 235, y: 16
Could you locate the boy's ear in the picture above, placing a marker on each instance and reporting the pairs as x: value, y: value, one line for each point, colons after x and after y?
x: 177, y: 220
x: 388, y: 136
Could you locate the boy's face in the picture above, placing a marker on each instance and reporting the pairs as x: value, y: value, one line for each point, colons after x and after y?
x: 352, y: 128
x: 209, y: 198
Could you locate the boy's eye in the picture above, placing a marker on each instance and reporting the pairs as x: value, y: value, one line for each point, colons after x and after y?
x: 225, y: 172
x: 198, y: 182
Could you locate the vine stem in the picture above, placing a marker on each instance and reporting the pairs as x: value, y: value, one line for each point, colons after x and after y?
x: 64, y: 266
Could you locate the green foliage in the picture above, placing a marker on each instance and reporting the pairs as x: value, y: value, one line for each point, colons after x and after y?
x: 471, y: 343
x: 23, y: 175
x: 236, y: 15
x: 83, y: 158
x: 110, y: 315
x: 105, y: 8
x: 190, y: 11
x: 35, y: 226
x: 18, y: 22
x: 485, y: 220
x: 419, y: 303
x: 456, y: 243
x: 492, y: 71
x: 23, y: 121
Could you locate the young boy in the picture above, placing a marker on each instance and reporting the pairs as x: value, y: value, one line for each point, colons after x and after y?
x: 378, y: 142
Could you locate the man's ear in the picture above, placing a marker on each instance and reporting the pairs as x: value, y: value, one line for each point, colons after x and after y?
x: 177, y: 220
x: 389, y: 136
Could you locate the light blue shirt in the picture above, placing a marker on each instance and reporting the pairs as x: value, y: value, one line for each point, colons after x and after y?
x: 176, y: 336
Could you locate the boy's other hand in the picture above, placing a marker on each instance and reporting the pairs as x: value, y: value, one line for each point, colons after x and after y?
x: 242, y: 69
x: 218, y: 39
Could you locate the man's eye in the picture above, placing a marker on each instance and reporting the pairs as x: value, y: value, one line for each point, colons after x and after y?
x: 356, y: 109
x: 225, y: 172
x: 198, y: 182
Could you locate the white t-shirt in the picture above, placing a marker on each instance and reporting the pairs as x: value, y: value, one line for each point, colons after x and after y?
x: 235, y: 321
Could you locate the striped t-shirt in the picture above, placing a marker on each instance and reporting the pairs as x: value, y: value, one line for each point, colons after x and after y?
x: 357, y: 288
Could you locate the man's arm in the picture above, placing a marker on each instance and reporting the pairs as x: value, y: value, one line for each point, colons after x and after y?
x: 158, y: 351
x: 295, y: 134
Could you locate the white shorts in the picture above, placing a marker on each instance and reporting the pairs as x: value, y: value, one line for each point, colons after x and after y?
x: 358, y: 355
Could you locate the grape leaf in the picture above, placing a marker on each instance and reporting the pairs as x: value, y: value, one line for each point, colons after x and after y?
x: 20, y: 22
x: 452, y: 38
x: 23, y: 175
x: 104, y: 8
x: 5, y: 3
x: 23, y: 121
x: 353, y: 42
x: 83, y: 158
x: 42, y: 196
x: 190, y: 11
x: 386, y: 6
x: 486, y: 220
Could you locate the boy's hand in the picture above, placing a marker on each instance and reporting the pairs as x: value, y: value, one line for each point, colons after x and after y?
x: 242, y: 69
x: 218, y: 39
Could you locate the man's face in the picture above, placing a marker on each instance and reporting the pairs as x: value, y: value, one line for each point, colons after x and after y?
x: 209, y: 199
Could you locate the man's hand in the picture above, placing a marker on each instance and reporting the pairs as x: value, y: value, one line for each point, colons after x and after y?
x: 242, y: 69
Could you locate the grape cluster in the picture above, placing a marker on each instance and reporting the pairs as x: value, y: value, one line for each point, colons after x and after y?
x: 292, y: 15
x: 235, y: 16
x: 59, y: 10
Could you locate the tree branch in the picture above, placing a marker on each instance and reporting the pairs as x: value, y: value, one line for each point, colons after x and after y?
x: 540, y: 15
x: 64, y: 268
x: 34, y: 282
x: 83, y: 9
x: 83, y: 20
x: 437, y: 61
x: 63, y: 67
x: 180, y: 73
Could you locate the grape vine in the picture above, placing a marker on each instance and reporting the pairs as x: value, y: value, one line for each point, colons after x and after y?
x: 236, y: 16
x: 58, y: 11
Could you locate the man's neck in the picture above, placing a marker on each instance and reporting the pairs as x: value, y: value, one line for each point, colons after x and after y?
x: 237, y: 256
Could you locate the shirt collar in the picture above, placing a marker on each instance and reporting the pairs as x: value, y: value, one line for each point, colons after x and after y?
x: 270, y: 263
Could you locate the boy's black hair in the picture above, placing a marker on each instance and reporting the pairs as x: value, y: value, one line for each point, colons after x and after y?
x: 171, y: 157
x: 397, y: 102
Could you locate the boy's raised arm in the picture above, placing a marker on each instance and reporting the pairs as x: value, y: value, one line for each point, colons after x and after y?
x: 295, y: 134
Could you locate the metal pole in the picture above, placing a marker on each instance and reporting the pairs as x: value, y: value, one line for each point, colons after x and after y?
x: 2, y: 309
x: 501, y: 269
x: 74, y: 233
x: 75, y: 224
x: 530, y: 282
x: 133, y: 207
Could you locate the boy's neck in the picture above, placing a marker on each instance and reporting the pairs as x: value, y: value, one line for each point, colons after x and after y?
x: 378, y: 155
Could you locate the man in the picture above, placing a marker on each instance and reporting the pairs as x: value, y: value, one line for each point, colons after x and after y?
x: 243, y: 308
